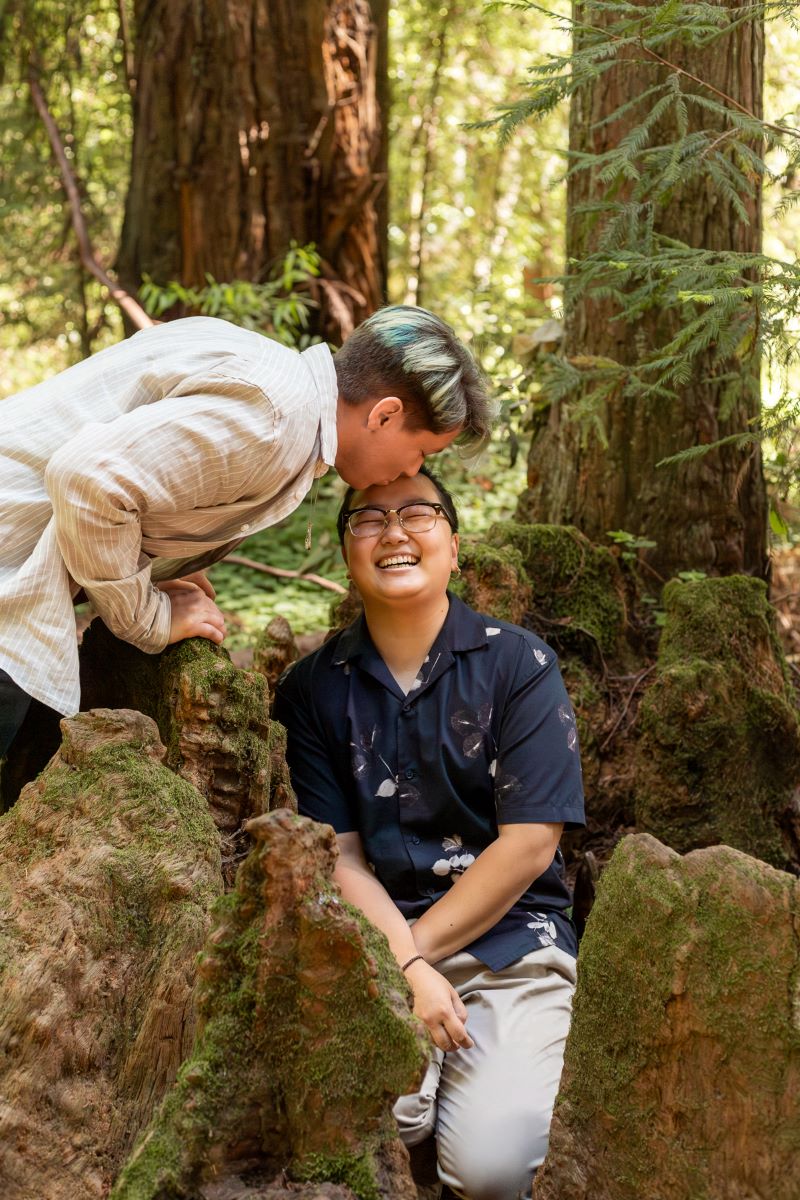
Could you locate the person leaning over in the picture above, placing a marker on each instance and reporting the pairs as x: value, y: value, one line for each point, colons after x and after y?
x: 128, y: 473
x: 441, y: 746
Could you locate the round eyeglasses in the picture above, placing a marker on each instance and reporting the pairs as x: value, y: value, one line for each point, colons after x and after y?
x: 414, y: 518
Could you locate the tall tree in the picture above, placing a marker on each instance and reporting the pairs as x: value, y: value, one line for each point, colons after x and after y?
x: 664, y: 286
x: 257, y: 124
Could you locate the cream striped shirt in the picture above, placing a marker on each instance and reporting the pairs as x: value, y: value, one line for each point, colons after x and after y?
x: 168, y: 446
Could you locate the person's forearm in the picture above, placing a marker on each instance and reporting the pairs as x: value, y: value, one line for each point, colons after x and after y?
x: 365, y: 892
x: 479, y: 898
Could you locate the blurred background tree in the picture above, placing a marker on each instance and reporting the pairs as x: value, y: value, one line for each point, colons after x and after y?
x: 256, y: 126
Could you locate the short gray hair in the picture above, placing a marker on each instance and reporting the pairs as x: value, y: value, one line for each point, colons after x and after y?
x: 410, y: 353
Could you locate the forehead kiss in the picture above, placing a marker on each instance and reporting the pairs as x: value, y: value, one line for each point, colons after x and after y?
x: 399, y: 491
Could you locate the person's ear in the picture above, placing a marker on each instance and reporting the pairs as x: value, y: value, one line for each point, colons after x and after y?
x: 385, y: 411
x: 454, y: 544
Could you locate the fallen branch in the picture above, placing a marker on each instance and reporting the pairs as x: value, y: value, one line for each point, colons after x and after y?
x: 283, y: 573
x: 129, y: 306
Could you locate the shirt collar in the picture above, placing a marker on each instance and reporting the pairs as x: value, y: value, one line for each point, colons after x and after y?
x: 319, y: 361
x: 463, y: 629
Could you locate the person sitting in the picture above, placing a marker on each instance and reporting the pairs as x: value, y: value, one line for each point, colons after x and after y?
x: 441, y: 746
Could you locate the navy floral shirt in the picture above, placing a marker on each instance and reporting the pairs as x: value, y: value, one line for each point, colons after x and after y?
x: 486, y: 735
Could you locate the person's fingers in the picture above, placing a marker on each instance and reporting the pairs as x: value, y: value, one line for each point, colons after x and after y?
x: 201, y: 580
x: 194, y: 614
x: 459, y: 1007
x: 212, y: 633
x: 456, y: 1032
x: 212, y: 615
x: 442, y: 1038
x: 171, y: 586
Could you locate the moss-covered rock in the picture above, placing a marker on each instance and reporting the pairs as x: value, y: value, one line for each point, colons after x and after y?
x: 578, y: 595
x: 306, y: 1037
x: 682, y: 1069
x: 719, y: 756
x: 493, y: 580
x: 109, y: 865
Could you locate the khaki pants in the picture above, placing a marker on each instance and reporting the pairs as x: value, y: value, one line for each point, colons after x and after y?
x: 490, y: 1106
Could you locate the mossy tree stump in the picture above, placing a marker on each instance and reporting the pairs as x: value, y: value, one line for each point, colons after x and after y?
x: 109, y: 865
x: 682, y: 1070
x: 719, y: 757
x: 213, y: 718
x: 577, y: 590
x: 305, y: 1040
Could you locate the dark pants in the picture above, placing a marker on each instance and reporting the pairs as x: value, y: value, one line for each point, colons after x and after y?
x: 14, y: 704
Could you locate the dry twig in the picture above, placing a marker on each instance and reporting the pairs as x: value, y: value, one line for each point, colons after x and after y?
x: 284, y: 573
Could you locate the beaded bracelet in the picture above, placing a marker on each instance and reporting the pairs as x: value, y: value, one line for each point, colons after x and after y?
x: 413, y: 959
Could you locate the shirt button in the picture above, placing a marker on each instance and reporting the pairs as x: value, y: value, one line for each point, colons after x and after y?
x: 410, y: 773
x: 415, y: 841
x: 429, y: 891
x: 244, y: 528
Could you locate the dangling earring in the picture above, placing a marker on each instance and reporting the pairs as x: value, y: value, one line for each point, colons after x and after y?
x: 456, y: 570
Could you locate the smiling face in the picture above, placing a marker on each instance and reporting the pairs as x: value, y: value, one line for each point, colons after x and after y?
x: 376, y: 445
x: 397, y: 566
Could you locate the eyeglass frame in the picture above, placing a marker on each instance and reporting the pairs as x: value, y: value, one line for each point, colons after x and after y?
x: 439, y: 510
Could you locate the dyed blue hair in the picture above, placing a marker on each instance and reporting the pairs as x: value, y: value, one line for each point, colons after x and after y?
x: 410, y: 353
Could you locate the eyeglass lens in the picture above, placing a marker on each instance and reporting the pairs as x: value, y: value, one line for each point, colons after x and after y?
x: 370, y: 522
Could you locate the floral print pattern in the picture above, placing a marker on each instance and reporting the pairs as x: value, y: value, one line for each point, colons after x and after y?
x: 544, y: 927
x: 456, y: 863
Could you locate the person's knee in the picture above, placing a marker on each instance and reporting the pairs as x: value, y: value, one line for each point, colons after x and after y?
x: 495, y: 1163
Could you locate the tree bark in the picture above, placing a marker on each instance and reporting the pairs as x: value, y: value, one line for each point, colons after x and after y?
x: 257, y: 122
x: 708, y: 513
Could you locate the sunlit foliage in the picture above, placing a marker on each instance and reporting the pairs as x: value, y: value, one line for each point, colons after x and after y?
x: 51, y: 312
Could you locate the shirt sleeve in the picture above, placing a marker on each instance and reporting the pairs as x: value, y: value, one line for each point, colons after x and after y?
x: 311, y: 762
x: 196, y: 449
x: 538, y: 771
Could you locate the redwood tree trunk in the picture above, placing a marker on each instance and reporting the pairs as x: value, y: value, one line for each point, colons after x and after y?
x: 257, y: 122
x: 709, y: 513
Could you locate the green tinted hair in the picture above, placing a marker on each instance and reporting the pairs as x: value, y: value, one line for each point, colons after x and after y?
x: 445, y: 499
x: 410, y: 353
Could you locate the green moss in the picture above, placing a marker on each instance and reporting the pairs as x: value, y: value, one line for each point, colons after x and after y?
x: 730, y: 619
x: 577, y: 587
x: 357, y: 1171
x: 492, y: 580
x: 706, y: 943
x: 152, y: 684
x: 720, y: 752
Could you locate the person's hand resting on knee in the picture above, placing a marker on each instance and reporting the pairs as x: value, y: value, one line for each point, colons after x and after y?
x: 439, y: 1006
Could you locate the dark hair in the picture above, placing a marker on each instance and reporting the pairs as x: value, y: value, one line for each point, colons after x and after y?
x: 408, y: 352
x: 445, y: 499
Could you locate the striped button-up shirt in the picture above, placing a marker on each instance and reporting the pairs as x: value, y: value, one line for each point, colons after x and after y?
x: 148, y: 459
